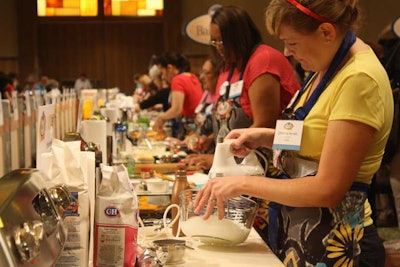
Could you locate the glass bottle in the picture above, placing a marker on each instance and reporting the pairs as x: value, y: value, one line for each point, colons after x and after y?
x: 180, y: 184
x: 223, y: 131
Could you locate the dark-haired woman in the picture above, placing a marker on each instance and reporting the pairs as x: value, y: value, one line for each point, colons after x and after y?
x: 185, y: 92
x: 256, y: 81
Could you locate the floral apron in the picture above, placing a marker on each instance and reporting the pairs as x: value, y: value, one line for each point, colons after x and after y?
x: 317, y: 236
x: 203, y: 121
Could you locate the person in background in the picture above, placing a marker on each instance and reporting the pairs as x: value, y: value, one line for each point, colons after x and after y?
x: 185, y: 93
x: 137, y: 89
x: 6, y: 87
x: 53, y: 84
x: 30, y: 83
x: 386, y: 211
x: 345, y: 112
x: 15, y: 81
x: 82, y: 82
x: 256, y: 81
x: 143, y: 90
x: 159, y: 100
x: 202, y: 140
x: 42, y: 84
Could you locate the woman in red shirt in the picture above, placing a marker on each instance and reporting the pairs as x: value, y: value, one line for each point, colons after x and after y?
x: 185, y: 93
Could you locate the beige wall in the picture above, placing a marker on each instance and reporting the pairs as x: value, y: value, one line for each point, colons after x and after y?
x: 377, y: 15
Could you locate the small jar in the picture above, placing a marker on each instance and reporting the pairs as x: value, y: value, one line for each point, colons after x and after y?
x: 145, y: 172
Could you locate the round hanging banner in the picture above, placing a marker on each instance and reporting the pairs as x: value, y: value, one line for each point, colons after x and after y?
x: 396, y: 27
x: 198, y: 29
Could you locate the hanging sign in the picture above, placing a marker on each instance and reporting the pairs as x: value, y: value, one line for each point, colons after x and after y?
x: 396, y: 27
x: 198, y: 28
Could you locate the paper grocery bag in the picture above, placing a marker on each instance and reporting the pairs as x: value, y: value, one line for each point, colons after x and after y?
x: 74, y: 168
x: 116, y: 219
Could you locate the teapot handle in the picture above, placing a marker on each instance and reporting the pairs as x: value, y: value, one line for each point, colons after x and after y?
x: 174, y: 220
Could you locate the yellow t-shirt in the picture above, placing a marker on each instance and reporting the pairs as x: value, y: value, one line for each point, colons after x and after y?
x: 360, y: 91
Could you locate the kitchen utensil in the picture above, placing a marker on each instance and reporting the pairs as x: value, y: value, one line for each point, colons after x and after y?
x: 170, y: 251
x: 233, y: 229
x: 157, y: 185
x: 31, y: 227
x: 225, y: 163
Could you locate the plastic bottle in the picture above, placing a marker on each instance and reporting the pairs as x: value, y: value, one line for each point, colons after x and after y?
x: 120, y: 137
x: 130, y: 164
x: 180, y: 184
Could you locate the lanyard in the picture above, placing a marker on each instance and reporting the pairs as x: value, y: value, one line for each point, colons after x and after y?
x: 302, y: 112
x: 228, y: 87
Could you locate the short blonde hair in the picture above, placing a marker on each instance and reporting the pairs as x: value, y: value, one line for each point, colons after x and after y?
x: 154, y: 72
x: 144, y: 79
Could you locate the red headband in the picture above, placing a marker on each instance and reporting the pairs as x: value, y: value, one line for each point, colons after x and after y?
x: 307, y: 11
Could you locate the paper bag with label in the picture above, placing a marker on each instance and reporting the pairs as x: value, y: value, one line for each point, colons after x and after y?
x: 66, y: 167
x: 116, y: 219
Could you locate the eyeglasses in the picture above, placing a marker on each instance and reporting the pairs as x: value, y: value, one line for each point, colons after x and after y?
x: 205, y: 72
x: 216, y: 43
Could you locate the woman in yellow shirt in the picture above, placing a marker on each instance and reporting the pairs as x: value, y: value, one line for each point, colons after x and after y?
x: 342, y: 118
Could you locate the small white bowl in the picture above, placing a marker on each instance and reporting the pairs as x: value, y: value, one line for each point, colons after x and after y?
x: 157, y: 186
x: 137, y: 185
x: 170, y: 251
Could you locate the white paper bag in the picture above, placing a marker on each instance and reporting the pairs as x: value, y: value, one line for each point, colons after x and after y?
x: 116, y: 219
x: 68, y: 166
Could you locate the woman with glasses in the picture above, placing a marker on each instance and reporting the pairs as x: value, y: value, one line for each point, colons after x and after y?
x: 333, y: 137
x: 202, y: 140
x: 256, y: 83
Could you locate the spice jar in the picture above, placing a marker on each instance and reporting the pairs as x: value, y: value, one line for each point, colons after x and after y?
x: 145, y: 172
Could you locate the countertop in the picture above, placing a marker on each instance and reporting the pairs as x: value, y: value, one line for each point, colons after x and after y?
x: 253, y: 252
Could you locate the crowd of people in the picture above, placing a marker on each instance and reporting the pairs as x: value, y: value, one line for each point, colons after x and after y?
x: 314, y: 209
x: 342, y: 113
x: 11, y: 82
x: 319, y: 213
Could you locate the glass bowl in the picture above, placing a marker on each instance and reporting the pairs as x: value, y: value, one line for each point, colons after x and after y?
x: 233, y: 229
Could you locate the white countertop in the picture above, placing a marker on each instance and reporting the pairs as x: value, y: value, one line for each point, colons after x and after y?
x: 253, y: 252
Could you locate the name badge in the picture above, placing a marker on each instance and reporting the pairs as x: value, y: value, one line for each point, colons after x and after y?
x: 236, y: 89
x: 222, y: 89
x: 208, y: 110
x: 288, y: 134
x: 199, y: 108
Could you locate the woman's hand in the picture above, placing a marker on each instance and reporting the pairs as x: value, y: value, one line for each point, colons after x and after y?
x: 215, y: 192
x: 158, y: 125
x: 198, y: 143
x: 173, y: 142
x: 200, y: 161
x: 250, y: 138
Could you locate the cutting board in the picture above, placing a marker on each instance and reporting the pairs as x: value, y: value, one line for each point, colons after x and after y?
x: 161, y: 167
